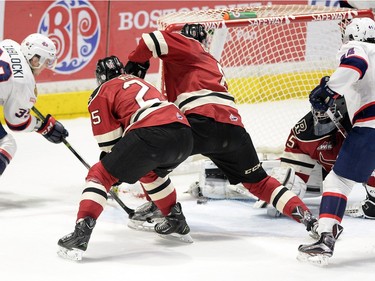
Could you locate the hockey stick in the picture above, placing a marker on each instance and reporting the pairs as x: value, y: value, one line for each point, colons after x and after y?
x: 337, y: 123
x: 128, y: 210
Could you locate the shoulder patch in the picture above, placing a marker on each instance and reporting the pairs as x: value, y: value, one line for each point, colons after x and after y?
x: 304, y: 129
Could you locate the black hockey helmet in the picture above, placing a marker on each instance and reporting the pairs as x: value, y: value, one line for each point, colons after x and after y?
x: 194, y: 30
x: 322, y: 123
x: 108, y: 68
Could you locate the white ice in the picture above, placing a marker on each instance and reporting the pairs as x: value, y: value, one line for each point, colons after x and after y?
x: 39, y: 196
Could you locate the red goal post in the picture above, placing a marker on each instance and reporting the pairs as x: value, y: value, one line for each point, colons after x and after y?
x: 272, y: 59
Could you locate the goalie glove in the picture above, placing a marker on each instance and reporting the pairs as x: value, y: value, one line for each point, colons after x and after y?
x: 322, y: 97
x: 53, y: 130
x: 364, y: 209
x: 137, y: 69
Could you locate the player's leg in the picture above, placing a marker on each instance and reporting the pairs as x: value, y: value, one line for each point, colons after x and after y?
x: 240, y: 163
x: 285, y: 174
x: 128, y: 162
x: 92, y: 203
x: 358, y: 148
x: 159, y: 190
x: 174, y: 143
x: 8, y: 148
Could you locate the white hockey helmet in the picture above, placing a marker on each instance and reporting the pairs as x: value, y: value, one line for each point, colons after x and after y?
x: 41, y: 46
x: 360, y: 29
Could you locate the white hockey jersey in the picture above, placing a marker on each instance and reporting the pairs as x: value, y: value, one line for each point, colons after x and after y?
x: 355, y: 80
x: 17, y: 87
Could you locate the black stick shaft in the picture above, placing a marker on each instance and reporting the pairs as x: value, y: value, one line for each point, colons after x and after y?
x: 128, y: 210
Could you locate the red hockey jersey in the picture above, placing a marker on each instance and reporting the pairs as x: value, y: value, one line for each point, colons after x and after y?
x: 126, y: 103
x: 193, y: 79
x: 304, y: 149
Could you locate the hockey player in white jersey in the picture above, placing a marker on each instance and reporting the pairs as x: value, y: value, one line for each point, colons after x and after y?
x: 19, y: 65
x: 354, y: 79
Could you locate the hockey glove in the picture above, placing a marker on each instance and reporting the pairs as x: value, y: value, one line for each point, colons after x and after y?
x: 53, y: 130
x: 322, y: 97
x: 137, y: 69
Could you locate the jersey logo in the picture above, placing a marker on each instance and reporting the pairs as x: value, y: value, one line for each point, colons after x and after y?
x: 328, y: 162
x: 325, y: 146
x: 300, y: 127
x: 253, y: 169
x: 233, y: 118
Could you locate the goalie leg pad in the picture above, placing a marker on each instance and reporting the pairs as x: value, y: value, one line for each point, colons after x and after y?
x: 213, y: 184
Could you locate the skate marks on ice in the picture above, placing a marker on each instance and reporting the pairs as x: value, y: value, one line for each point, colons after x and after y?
x: 11, y: 201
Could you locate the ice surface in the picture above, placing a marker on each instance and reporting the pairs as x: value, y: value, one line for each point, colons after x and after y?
x: 39, y: 196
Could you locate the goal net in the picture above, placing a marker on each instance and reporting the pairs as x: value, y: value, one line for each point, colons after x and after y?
x: 272, y: 57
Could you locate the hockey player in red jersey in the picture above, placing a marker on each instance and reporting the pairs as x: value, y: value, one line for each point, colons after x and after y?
x: 195, y: 82
x: 142, y: 137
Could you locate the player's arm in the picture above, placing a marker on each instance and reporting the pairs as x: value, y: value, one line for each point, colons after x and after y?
x: 160, y: 44
x: 106, y: 129
x: 138, y: 63
x: 18, y: 118
x: 353, y: 66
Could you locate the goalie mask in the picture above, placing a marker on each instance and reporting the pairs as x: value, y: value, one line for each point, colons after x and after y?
x: 195, y: 31
x: 108, y: 68
x: 322, y: 123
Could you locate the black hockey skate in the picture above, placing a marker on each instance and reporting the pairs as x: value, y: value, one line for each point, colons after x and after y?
x: 174, y: 226
x: 145, y: 217
x: 74, y: 244
x: 319, y: 252
x: 308, y: 220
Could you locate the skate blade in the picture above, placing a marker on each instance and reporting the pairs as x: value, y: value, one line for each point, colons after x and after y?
x: 320, y: 260
x: 73, y: 255
x: 148, y: 226
x: 177, y: 237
